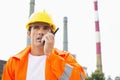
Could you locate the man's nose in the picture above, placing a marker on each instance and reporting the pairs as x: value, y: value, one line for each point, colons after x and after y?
x: 41, y: 33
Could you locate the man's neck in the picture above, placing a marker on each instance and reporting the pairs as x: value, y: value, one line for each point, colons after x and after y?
x: 37, y: 50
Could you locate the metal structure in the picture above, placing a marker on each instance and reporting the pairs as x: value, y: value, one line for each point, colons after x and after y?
x: 32, y: 4
x: 98, y: 43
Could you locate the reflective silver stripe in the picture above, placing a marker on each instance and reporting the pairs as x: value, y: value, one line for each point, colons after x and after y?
x: 81, y: 77
x: 67, y: 72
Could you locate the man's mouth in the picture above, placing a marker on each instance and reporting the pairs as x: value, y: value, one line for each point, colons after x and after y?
x: 39, y: 39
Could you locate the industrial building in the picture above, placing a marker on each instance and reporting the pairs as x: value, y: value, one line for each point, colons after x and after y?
x: 2, y: 63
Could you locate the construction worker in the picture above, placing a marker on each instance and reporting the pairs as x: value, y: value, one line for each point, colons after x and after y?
x: 40, y: 60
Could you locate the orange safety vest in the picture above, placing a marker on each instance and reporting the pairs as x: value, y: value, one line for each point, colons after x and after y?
x: 60, y: 65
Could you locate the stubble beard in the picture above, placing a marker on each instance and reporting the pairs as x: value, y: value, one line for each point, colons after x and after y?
x: 39, y: 44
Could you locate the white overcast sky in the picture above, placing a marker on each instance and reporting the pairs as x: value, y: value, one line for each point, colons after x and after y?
x: 81, y: 29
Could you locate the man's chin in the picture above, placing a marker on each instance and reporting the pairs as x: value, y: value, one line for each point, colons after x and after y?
x: 40, y: 44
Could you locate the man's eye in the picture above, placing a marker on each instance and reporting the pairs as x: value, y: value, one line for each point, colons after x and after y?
x: 36, y: 27
x: 46, y: 27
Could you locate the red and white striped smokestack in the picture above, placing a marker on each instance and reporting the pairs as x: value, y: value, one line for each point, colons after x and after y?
x: 98, y: 43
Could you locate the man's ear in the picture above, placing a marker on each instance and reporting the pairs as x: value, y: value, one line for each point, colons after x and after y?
x: 28, y: 34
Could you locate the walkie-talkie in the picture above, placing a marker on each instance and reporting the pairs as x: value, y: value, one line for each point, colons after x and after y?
x: 53, y: 34
x: 55, y: 31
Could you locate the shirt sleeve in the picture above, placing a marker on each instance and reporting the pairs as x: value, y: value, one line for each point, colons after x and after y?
x: 65, y: 67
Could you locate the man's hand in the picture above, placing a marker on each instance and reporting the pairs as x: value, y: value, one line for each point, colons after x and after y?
x: 49, y: 41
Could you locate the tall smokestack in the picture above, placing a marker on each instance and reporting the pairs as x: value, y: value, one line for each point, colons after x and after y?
x: 65, y: 35
x: 32, y: 4
x: 98, y: 43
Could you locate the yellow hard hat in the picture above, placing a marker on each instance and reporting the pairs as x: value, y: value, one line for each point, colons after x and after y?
x: 41, y: 17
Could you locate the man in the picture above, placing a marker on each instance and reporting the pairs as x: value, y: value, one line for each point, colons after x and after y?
x: 40, y: 60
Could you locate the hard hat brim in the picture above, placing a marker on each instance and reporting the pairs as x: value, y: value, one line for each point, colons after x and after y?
x: 53, y: 27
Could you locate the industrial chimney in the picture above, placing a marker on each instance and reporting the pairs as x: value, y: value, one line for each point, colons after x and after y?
x: 98, y: 44
x: 32, y: 4
x: 65, y: 35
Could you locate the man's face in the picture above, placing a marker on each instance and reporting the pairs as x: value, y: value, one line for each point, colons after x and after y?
x: 38, y: 30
